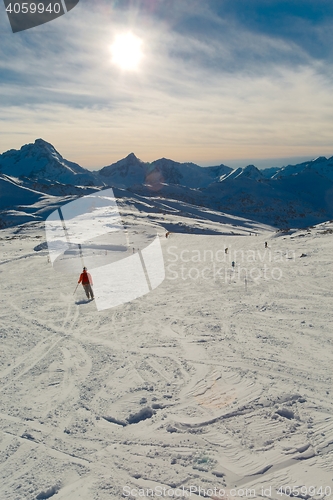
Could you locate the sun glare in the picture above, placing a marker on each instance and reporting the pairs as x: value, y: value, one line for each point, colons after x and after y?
x: 126, y: 51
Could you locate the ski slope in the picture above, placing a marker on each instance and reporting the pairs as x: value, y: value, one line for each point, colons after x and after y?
x: 211, y: 381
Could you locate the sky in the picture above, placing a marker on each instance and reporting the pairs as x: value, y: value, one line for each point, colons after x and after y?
x: 219, y: 81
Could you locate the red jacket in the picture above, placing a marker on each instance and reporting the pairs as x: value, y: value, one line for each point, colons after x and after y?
x: 85, y: 278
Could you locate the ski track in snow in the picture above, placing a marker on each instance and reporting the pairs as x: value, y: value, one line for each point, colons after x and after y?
x: 238, y: 376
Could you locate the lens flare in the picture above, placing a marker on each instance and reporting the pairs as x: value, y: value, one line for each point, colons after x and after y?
x: 126, y: 51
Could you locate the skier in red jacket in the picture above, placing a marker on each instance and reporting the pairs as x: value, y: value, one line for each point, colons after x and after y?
x: 86, y: 280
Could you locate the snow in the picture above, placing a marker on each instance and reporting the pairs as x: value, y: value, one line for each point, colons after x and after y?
x: 250, y: 172
x: 209, y: 381
x: 14, y: 194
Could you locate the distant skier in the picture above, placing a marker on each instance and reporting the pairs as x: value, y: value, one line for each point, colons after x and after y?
x: 86, y: 280
x: 266, y: 244
x: 233, y: 263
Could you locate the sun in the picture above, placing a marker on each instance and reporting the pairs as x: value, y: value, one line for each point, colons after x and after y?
x: 126, y: 51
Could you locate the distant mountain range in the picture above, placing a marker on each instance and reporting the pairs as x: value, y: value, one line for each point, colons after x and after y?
x: 36, y: 178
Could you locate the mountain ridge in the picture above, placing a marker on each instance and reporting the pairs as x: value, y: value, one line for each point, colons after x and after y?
x: 296, y: 195
x: 17, y: 163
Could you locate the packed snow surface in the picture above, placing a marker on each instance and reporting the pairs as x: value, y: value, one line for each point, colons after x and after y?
x: 218, y: 383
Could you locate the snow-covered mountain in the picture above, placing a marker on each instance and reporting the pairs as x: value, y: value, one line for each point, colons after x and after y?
x: 295, y: 195
x: 321, y: 166
x: 125, y: 172
x: 297, y: 201
x: 41, y: 161
x: 131, y: 171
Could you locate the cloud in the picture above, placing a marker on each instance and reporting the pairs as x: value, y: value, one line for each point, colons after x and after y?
x: 210, y: 85
x: 306, y: 24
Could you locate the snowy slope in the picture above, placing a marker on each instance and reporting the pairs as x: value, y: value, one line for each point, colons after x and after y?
x: 19, y: 204
x: 12, y: 193
x: 182, y: 217
x: 56, y: 188
x: 234, y: 378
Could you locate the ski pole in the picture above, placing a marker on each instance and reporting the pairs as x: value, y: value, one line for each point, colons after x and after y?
x: 75, y: 289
